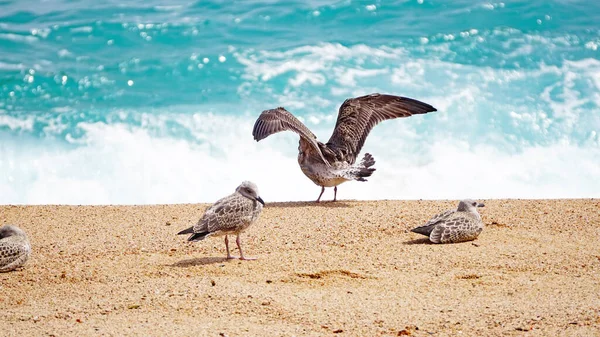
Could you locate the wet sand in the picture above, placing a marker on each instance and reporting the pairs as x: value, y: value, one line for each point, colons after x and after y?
x: 350, y: 268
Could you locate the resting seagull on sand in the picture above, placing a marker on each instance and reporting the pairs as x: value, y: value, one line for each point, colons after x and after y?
x: 453, y: 226
x: 14, y: 248
x: 331, y: 164
x: 230, y: 215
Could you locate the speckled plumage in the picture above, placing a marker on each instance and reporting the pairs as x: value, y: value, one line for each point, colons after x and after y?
x: 453, y: 226
x: 14, y: 248
x: 232, y: 214
x: 333, y: 163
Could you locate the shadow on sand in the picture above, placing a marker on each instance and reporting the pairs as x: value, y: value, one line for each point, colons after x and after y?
x: 422, y: 241
x: 328, y: 204
x: 201, y: 261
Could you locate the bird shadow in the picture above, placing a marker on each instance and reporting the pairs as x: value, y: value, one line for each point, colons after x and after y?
x: 201, y: 261
x: 328, y: 204
x: 423, y: 241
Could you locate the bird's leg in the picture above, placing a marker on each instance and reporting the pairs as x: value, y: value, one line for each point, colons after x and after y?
x: 335, y: 193
x: 229, y: 257
x: 237, y: 240
x: 322, y: 190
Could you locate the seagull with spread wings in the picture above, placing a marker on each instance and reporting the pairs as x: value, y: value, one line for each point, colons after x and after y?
x: 333, y: 163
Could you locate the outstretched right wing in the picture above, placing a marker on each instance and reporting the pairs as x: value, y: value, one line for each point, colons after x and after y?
x: 277, y: 120
x: 358, y: 116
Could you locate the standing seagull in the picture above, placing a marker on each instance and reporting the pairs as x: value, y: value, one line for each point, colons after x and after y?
x: 457, y: 225
x: 14, y: 248
x: 333, y: 163
x: 230, y: 215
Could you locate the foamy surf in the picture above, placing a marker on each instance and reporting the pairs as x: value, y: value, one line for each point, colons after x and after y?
x: 119, y: 164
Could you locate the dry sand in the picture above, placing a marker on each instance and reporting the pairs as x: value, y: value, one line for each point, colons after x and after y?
x: 344, y: 269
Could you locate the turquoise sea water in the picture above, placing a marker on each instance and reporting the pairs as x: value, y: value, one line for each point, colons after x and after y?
x: 153, y: 102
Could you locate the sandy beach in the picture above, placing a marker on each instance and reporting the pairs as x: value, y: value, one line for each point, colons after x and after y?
x: 350, y: 268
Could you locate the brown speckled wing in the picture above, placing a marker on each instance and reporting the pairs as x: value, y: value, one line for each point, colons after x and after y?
x: 13, y: 253
x: 440, y: 217
x: 459, y: 227
x: 428, y: 227
x: 9, y: 250
x: 228, y: 214
x: 357, y: 116
x: 277, y: 120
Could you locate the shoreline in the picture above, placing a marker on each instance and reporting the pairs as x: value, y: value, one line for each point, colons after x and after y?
x: 281, y: 203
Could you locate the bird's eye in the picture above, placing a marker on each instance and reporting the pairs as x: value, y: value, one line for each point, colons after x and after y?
x: 474, y: 204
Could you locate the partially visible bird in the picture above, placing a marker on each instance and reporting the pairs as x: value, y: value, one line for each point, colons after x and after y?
x: 457, y: 225
x: 230, y: 215
x: 333, y: 163
x: 14, y: 248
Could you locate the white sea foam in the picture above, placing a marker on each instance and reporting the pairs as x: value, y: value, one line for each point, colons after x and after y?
x: 14, y: 123
x: 11, y: 66
x: 310, y: 63
x: 168, y: 8
x: 18, y: 38
x: 120, y: 164
x: 349, y: 76
x: 82, y: 29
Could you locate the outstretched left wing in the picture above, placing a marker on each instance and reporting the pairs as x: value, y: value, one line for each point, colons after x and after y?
x: 277, y: 120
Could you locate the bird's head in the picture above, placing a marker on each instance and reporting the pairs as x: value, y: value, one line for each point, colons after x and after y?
x: 249, y: 190
x: 469, y: 205
x: 10, y: 230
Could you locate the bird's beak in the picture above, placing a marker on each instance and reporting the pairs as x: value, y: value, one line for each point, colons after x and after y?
x: 480, y: 205
x: 259, y: 199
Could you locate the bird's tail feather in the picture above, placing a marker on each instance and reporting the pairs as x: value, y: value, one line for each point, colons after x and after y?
x: 362, y: 170
x: 425, y: 230
x: 194, y: 236
x: 198, y: 236
x: 367, y: 161
x: 186, y: 231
